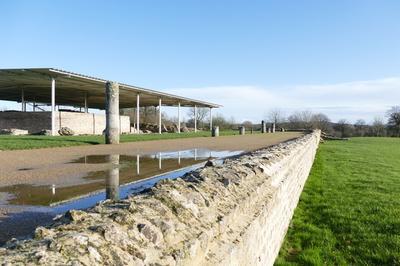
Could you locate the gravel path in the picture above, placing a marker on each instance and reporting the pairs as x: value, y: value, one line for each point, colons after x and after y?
x: 40, y: 166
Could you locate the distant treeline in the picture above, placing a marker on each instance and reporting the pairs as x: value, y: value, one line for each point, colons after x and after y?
x: 301, y: 120
x: 342, y: 128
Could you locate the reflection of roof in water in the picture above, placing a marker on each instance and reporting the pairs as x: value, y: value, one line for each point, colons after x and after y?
x: 131, y: 168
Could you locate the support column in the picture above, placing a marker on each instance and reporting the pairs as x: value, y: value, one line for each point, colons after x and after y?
x: 179, y: 117
x: 195, y: 118
x: 138, y: 164
x: 137, y: 112
x: 159, y: 116
x: 112, y: 113
x: 53, y: 107
x: 23, y: 105
x: 211, y: 123
x: 86, y: 103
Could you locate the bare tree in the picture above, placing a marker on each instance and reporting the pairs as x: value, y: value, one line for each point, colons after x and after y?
x: 394, y: 120
x: 378, y: 127
x: 344, y: 128
x: 301, y: 120
x: 247, y: 124
x: 360, y: 127
x: 276, y: 116
x: 200, y: 117
x: 321, y: 121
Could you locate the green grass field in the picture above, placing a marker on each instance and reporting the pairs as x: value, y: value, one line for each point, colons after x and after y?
x: 349, y: 211
x: 34, y: 142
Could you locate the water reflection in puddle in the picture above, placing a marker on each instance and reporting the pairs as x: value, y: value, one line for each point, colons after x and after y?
x: 124, y: 175
x: 119, y: 170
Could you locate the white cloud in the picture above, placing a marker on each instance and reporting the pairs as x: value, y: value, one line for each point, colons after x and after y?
x: 350, y: 100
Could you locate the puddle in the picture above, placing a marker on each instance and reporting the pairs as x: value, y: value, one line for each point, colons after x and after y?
x: 129, y: 168
x: 123, y: 175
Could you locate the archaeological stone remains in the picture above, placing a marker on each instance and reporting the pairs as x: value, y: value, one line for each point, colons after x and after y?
x: 234, y: 213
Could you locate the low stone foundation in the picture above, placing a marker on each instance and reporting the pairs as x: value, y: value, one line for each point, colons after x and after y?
x: 236, y: 213
x: 80, y: 123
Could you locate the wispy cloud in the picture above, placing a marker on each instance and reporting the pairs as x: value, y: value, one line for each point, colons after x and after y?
x: 350, y: 100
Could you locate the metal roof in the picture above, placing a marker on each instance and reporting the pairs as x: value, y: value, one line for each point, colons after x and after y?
x: 71, y: 89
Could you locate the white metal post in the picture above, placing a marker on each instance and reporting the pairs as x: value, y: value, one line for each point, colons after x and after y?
x: 159, y: 116
x: 53, y: 107
x: 137, y: 164
x: 210, y: 118
x: 137, y: 112
x: 23, y: 106
x: 179, y: 117
x: 86, y: 103
x: 195, y: 118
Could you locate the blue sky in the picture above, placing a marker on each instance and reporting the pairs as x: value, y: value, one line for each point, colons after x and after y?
x: 338, y: 57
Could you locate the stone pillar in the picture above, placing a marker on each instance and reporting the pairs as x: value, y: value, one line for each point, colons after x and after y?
x: 263, y: 127
x: 112, y: 113
x: 112, y: 179
x: 269, y: 130
x: 273, y: 127
x: 242, y: 130
x: 215, y: 131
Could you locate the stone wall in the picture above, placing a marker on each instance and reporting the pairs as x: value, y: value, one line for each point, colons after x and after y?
x: 32, y: 121
x: 236, y: 213
x: 80, y: 123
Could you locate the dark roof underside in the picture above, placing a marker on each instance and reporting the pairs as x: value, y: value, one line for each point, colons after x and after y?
x: 71, y: 89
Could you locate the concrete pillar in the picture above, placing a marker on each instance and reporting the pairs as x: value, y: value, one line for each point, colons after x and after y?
x: 195, y: 118
x: 112, y: 179
x: 269, y: 130
x: 242, y: 130
x: 179, y: 117
x: 211, y: 118
x: 263, y: 127
x: 179, y: 158
x: 112, y: 113
x: 159, y: 161
x: 86, y: 103
x: 137, y: 113
x: 53, y: 107
x: 273, y: 127
x: 159, y: 116
x: 215, y: 131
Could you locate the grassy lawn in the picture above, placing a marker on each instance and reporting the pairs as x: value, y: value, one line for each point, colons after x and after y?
x: 349, y: 211
x: 34, y: 142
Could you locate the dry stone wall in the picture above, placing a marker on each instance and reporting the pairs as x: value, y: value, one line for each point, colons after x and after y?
x: 236, y: 213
